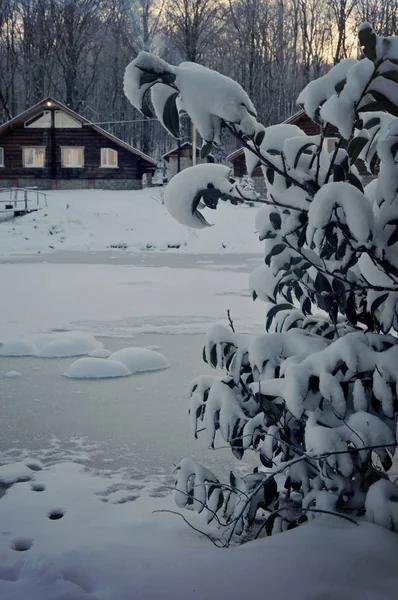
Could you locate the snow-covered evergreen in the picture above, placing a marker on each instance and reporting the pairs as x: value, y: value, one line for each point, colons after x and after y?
x: 315, y: 394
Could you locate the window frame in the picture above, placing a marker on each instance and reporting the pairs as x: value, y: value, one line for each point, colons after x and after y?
x: 2, y: 157
x: 63, y: 149
x: 26, y: 166
x: 30, y: 123
x: 107, y: 165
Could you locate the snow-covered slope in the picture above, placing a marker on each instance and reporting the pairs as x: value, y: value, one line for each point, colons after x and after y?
x: 73, y: 534
x: 97, y: 220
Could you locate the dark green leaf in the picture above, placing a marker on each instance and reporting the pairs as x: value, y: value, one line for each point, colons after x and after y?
x: 368, y: 39
x: 259, y: 138
x: 146, y: 77
x: 351, y: 311
x: 302, y: 151
x: 373, y: 163
x: 355, y: 147
x: 306, y: 306
x: 392, y: 75
x: 270, y: 491
x: 338, y: 173
x: 270, y: 174
x: 206, y: 148
x: 322, y: 284
x: 213, y: 356
x: 378, y: 302
x: 276, y: 220
x: 171, y: 120
x: 145, y: 107
x: 274, y: 310
x: 372, y: 123
x: 340, y: 86
x: 274, y: 152
x: 381, y: 106
x: 393, y: 239
x: 266, y: 462
x: 302, y: 238
x: 353, y: 180
x: 277, y: 249
x: 269, y: 524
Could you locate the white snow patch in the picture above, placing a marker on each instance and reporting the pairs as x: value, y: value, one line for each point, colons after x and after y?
x: 96, y: 368
x: 140, y: 360
x: 100, y: 353
x: 115, y: 550
x: 73, y: 343
x: 52, y: 345
x: 18, y: 348
x: 15, y: 472
x: 12, y: 375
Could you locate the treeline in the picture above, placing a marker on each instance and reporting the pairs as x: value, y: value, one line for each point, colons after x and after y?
x: 77, y: 50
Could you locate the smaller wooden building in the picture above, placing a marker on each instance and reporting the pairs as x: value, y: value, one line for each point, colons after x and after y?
x: 49, y: 146
x: 310, y: 127
x: 184, y: 152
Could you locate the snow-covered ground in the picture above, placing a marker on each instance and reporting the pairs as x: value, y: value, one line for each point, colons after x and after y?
x: 94, y: 220
x: 87, y: 461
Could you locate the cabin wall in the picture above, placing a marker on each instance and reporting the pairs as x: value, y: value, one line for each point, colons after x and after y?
x: 128, y: 174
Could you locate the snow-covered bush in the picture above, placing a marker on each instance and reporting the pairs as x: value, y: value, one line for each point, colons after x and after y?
x: 315, y: 394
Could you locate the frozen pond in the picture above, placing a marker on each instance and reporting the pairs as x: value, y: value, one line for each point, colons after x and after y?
x: 139, y: 422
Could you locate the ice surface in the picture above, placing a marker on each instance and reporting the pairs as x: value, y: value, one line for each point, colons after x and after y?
x: 140, y: 360
x: 96, y: 368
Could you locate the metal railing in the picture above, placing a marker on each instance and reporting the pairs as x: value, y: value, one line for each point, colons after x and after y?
x: 21, y: 200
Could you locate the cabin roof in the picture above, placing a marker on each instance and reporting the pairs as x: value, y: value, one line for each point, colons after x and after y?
x: 50, y: 102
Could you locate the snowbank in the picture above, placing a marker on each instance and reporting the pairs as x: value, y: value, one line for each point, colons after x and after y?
x: 132, y: 221
x: 52, y: 345
x: 121, y: 363
x: 96, y: 368
x: 73, y: 534
x: 139, y: 360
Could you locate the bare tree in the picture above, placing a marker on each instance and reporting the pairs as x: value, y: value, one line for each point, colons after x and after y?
x: 193, y: 24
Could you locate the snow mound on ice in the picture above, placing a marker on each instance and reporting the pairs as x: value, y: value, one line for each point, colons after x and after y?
x: 69, y: 344
x: 96, y: 368
x: 100, y: 353
x: 139, y: 360
x: 18, y: 348
x: 12, y: 375
x: 12, y: 473
x: 53, y: 345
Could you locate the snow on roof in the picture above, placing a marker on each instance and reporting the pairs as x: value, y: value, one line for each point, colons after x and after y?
x: 175, y: 149
x: 42, y: 105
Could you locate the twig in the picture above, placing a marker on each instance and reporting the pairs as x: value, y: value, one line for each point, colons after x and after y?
x: 231, y: 323
x: 174, y: 512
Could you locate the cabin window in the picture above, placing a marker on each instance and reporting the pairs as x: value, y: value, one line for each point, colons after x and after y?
x: 34, y: 157
x: 64, y: 121
x: 1, y: 157
x: 72, y: 157
x: 330, y: 144
x: 108, y: 157
x: 41, y: 121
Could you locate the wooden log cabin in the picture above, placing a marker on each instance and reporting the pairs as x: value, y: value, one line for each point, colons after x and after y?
x: 49, y: 146
x: 303, y: 122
